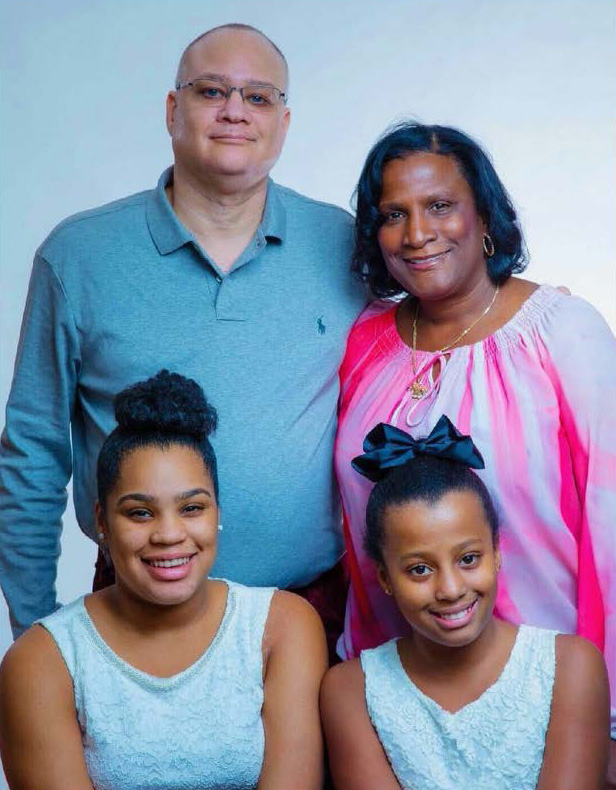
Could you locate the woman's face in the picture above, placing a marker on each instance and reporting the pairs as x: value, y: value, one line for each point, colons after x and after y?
x: 431, y: 236
x: 440, y: 563
x: 161, y: 523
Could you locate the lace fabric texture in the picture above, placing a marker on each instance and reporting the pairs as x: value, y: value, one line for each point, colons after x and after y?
x: 199, y: 729
x: 497, y: 741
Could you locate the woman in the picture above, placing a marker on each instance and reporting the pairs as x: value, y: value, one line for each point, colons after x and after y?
x: 528, y: 371
x: 166, y: 679
x: 464, y: 700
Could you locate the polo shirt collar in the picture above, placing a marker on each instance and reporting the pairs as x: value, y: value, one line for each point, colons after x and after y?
x: 166, y: 230
x: 274, y: 222
x: 169, y: 234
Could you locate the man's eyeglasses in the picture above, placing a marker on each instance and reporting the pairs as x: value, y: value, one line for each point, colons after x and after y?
x: 215, y: 93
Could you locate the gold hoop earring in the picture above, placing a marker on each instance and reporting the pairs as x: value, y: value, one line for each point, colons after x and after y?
x: 488, y: 245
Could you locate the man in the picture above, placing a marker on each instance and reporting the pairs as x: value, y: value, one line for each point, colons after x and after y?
x: 219, y: 274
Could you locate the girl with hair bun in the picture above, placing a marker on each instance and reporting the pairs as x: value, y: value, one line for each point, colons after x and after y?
x: 464, y: 701
x: 166, y: 679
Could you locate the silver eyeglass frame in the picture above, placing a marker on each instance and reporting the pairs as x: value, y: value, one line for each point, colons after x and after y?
x: 282, y: 96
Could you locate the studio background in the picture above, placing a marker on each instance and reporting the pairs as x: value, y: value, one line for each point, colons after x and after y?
x: 82, y: 123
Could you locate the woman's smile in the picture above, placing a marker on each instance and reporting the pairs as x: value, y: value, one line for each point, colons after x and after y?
x: 425, y: 262
x: 169, y: 568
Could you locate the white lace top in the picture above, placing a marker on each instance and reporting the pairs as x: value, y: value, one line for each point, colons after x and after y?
x: 495, y: 742
x: 201, y: 728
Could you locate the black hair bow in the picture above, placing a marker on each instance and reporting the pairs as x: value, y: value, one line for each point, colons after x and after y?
x: 386, y: 447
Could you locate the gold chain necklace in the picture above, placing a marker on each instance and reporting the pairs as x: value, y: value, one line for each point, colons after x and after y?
x: 417, y: 389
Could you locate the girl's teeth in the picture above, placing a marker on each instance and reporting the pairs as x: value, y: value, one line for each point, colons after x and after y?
x: 457, y: 615
x: 170, y: 563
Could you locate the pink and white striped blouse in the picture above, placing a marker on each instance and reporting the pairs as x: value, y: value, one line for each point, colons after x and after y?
x: 538, y: 398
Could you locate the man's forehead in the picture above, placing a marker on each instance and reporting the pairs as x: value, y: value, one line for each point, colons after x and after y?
x: 235, y: 54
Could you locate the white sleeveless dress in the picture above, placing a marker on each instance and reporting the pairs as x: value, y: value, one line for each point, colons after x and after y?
x: 493, y: 743
x: 201, y: 728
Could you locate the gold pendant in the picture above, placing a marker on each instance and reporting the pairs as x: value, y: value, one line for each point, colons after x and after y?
x: 417, y: 390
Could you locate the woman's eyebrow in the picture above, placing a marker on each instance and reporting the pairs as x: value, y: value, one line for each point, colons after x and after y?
x: 138, y: 497
x: 178, y: 498
x: 191, y: 493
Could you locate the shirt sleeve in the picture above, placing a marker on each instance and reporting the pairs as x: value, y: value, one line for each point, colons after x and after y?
x: 35, y: 449
x: 582, y: 354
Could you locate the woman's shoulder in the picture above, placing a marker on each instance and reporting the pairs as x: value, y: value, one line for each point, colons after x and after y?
x: 66, y: 614
x: 41, y: 643
x: 371, y: 322
x: 243, y: 593
x: 288, y: 609
x: 284, y: 607
x: 378, y: 313
x: 247, y: 611
x: 554, y: 328
x: 34, y: 654
x: 554, y: 311
x: 292, y: 623
x: 375, y: 324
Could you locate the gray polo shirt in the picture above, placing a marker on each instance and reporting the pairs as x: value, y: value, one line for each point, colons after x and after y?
x: 121, y: 291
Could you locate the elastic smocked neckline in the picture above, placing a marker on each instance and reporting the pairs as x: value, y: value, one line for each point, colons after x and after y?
x: 543, y: 298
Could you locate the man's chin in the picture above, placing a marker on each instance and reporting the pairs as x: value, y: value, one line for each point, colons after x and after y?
x: 237, y: 169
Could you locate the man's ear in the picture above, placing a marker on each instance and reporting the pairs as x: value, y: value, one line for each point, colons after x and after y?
x: 171, y: 104
x: 286, y: 120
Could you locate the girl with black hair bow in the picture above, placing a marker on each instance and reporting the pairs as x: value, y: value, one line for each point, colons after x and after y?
x: 529, y: 371
x: 464, y: 701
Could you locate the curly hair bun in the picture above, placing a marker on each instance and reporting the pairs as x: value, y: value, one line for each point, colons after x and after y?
x: 167, y: 403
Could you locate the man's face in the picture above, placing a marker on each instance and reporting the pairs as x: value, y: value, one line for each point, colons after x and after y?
x: 232, y: 140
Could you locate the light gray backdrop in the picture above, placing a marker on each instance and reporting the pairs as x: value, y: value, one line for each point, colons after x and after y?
x: 84, y: 84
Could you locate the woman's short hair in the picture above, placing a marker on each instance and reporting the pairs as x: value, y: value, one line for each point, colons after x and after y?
x: 424, y: 479
x: 493, y: 203
x: 166, y: 409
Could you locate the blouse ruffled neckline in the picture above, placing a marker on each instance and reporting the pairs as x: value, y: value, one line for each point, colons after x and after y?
x: 508, y: 334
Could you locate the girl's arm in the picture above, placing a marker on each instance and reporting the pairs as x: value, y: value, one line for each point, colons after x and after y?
x: 577, y: 740
x: 40, y: 739
x: 356, y: 758
x: 295, y: 656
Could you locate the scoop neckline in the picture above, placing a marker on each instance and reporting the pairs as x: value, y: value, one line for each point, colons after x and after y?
x: 541, y: 296
x: 490, y: 690
x: 154, y: 680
